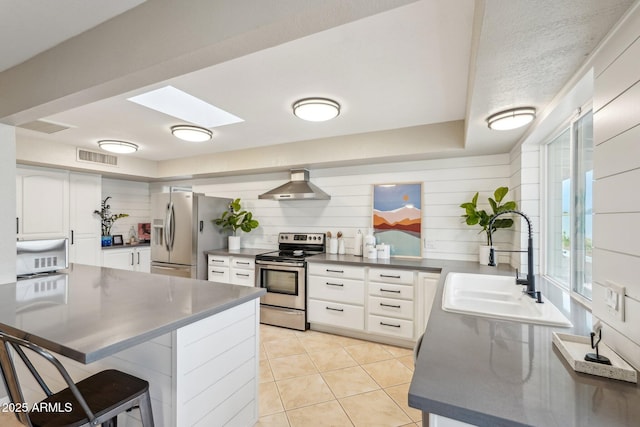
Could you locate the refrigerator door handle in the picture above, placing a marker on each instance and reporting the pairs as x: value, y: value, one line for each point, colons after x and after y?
x: 172, y: 226
x: 201, y: 226
x: 167, y: 224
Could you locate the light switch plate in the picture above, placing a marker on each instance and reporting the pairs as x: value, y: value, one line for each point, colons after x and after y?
x: 614, y: 300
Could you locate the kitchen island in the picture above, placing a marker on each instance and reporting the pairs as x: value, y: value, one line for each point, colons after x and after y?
x: 196, y: 342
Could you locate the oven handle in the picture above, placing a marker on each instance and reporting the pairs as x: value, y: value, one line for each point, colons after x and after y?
x: 283, y: 264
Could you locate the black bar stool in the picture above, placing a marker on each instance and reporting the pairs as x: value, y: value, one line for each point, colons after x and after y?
x: 95, y: 400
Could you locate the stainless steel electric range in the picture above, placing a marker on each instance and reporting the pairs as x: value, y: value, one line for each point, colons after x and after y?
x: 283, y: 273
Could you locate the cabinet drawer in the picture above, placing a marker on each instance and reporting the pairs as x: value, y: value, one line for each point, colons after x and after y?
x: 336, y: 289
x: 390, y: 326
x: 217, y: 260
x: 243, y: 277
x: 336, y: 314
x: 337, y: 270
x: 241, y: 262
x: 218, y: 274
x: 391, y: 291
x: 391, y: 307
x: 391, y: 276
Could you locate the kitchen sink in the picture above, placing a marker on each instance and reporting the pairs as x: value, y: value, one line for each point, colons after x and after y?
x: 497, y: 297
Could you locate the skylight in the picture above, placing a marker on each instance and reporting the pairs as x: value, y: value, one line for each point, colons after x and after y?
x: 186, y: 107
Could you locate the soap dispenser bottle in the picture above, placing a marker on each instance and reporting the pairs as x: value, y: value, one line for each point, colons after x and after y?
x: 369, y: 244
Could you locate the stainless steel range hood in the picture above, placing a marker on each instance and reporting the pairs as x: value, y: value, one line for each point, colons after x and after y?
x: 299, y: 188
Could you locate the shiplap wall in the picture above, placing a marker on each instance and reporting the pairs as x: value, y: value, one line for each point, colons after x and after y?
x: 616, y: 255
x: 525, y: 184
x: 128, y: 197
x: 446, y: 183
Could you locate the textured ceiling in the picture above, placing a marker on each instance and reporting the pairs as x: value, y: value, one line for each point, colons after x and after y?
x: 427, y: 62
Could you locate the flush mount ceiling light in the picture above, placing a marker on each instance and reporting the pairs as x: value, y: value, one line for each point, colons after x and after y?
x: 191, y: 133
x: 120, y: 147
x: 316, y: 109
x: 511, y: 119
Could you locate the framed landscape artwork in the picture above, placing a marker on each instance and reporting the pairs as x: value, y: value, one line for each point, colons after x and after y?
x: 397, y: 217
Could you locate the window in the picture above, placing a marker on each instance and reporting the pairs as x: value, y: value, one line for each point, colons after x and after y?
x: 569, y: 226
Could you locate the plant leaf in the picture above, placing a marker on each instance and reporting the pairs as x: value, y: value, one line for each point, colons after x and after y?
x: 500, y: 193
x: 494, y: 205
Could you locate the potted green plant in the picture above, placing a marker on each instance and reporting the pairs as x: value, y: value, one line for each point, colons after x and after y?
x: 474, y: 216
x: 234, y: 219
x: 107, y: 220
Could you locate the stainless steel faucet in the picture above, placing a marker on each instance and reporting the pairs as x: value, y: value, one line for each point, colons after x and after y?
x: 530, y: 281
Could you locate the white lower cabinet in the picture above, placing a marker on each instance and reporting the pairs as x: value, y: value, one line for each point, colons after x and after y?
x: 336, y: 314
x: 242, y: 271
x: 336, y: 296
x: 391, y: 309
x: 132, y: 258
x: 236, y: 270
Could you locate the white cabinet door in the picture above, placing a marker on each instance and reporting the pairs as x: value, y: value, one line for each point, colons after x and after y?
x: 123, y: 259
x: 42, y: 203
x: 84, y: 225
x: 143, y: 260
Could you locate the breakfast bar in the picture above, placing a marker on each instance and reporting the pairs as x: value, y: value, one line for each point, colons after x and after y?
x: 195, y: 341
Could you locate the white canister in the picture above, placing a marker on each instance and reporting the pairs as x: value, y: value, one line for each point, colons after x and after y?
x: 383, y: 251
x: 371, y: 253
x: 357, y: 245
x: 333, y: 245
x: 341, y: 248
x: 369, y: 242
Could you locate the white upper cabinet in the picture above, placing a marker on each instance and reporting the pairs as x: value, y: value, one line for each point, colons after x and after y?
x: 54, y: 204
x: 42, y: 203
x: 84, y: 226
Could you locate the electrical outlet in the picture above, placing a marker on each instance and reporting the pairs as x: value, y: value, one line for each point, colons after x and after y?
x: 614, y: 300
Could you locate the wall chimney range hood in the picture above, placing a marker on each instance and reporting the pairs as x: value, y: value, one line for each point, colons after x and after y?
x: 299, y: 188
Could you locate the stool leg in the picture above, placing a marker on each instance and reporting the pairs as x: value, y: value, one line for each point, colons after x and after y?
x: 146, y: 415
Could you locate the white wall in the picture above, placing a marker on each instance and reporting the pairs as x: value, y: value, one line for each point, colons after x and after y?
x: 130, y: 197
x: 616, y: 254
x: 446, y: 184
x: 8, y: 197
x: 525, y: 182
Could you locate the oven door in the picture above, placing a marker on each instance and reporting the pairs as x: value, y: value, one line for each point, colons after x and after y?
x: 285, y: 284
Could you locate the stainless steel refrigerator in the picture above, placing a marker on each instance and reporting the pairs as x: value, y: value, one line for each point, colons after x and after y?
x: 181, y: 230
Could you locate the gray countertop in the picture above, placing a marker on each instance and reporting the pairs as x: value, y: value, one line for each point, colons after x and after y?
x: 87, y: 313
x: 243, y: 252
x: 422, y: 264
x: 127, y: 246
x: 499, y: 373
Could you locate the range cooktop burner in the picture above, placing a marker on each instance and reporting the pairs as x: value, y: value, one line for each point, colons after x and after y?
x: 296, y: 246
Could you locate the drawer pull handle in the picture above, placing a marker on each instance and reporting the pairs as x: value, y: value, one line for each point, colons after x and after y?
x: 243, y: 275
x: 389, y: 305
x: 389, y: 276
x: 217, y: 272
x: 243, y: 263
x: 389, y: 324
x: 334, y: 309
x: 217, y: 260
x: 335, y: 284
x: 334, y: 271
x: 389, y: 290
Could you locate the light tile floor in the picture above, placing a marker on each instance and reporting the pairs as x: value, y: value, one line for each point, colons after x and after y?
x: 316, y: 379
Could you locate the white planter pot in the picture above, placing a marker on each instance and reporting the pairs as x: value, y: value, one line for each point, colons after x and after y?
x: 483, y: 255
x: 234, y: 243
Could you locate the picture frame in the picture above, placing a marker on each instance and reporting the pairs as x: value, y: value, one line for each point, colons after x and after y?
x: 397, y: 217
x: 144, y: 232
x: 117, y: 240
